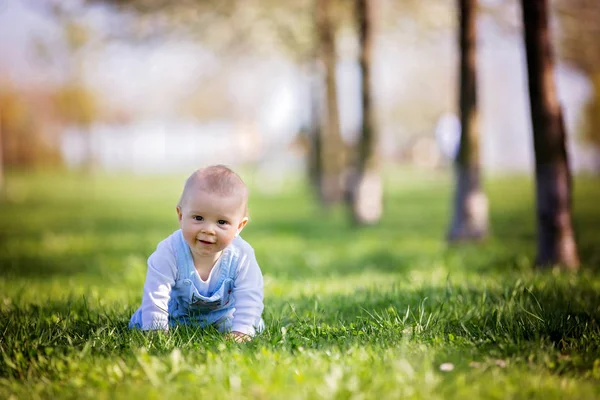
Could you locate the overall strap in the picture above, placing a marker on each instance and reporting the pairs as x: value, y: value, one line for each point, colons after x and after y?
x: 228, y: 263
x: 225, y: 264
x: 233, y: 259
x: 183, y: 257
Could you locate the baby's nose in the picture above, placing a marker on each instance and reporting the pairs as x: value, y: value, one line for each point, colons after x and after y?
x: 208, y: 228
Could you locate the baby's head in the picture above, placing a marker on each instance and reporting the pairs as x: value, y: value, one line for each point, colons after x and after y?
x: 217, y: 180
x: 212, y: 210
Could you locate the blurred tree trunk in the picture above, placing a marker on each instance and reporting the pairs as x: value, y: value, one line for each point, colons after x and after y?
x: 1, y: 160
x: 364, y: 186
x: 556, y: 241
x: 89, y: 165
x: 313, y: 132
x: 333, y: 151
x: 591, y: 126
x: 470, y: 221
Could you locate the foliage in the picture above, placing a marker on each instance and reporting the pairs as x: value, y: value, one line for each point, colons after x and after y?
x: 77, y: 104
x: 270, y: 27
x: 252, y: 27
x: 385, y: 312
x: 76, y: 35
x: 14, y: 110
x: 25, y: 141
x: 579, y: 27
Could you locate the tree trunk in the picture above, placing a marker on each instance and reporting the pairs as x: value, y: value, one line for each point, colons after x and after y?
x: 470, y: 221
x: 313, y: 131
x: 1, y: 162
x: 365, y: 187
x: 89, y: 164
x: 333, y: 157
x: 556, y: 242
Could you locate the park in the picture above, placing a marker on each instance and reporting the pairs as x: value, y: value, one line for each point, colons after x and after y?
x: 401, y: 270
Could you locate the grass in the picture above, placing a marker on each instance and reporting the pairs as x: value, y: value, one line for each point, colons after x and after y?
x: 384, y: 312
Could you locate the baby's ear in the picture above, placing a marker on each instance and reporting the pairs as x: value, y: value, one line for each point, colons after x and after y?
x: 179, y: 215
x: 241, y: 225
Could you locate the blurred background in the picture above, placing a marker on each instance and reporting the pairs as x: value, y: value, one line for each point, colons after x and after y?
x: 155, y: 87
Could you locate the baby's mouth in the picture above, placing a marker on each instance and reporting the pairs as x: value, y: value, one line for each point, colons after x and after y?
x: 205, y: 242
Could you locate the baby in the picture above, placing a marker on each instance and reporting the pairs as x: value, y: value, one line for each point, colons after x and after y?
x: 205, y: 273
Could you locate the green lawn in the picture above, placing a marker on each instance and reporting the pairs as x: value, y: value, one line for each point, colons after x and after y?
x: 385, y: 312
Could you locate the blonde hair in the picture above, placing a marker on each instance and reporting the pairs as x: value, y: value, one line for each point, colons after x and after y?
x: 218, y: 179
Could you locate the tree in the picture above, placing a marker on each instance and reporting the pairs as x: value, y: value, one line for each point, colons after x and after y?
x: 332, y: 146
x: 591, y: 125
x: 470, y: 221
x: 14, y: 123
x: 312, y: 132
x: 365, y: 187
x: 77, y: 105
x: 301, y: 43
x: 1, y: 161
x: 556, y: 241
x: 577, y: 38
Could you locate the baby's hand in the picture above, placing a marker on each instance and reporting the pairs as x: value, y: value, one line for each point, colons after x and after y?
x: 239, y: 337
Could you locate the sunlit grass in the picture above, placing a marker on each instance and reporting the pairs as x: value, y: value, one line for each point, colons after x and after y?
x: 384, y: 312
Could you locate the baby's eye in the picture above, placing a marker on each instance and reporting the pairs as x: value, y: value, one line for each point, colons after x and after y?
x: 198, y: 218
x: 222, y: 222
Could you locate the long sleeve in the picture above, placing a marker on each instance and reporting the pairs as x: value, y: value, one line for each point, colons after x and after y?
x: 248, y: 292
x: 159, y: 280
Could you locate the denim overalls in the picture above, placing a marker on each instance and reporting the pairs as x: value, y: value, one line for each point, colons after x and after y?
x: 186, y: 305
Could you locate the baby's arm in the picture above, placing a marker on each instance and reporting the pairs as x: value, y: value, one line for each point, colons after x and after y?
x: 157, y: 289
x: 248, y: 292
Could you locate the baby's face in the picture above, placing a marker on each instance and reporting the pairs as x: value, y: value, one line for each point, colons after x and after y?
x: 210, y: 222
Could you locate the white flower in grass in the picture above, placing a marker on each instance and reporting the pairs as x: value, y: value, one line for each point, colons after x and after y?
x: 446, y: 367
